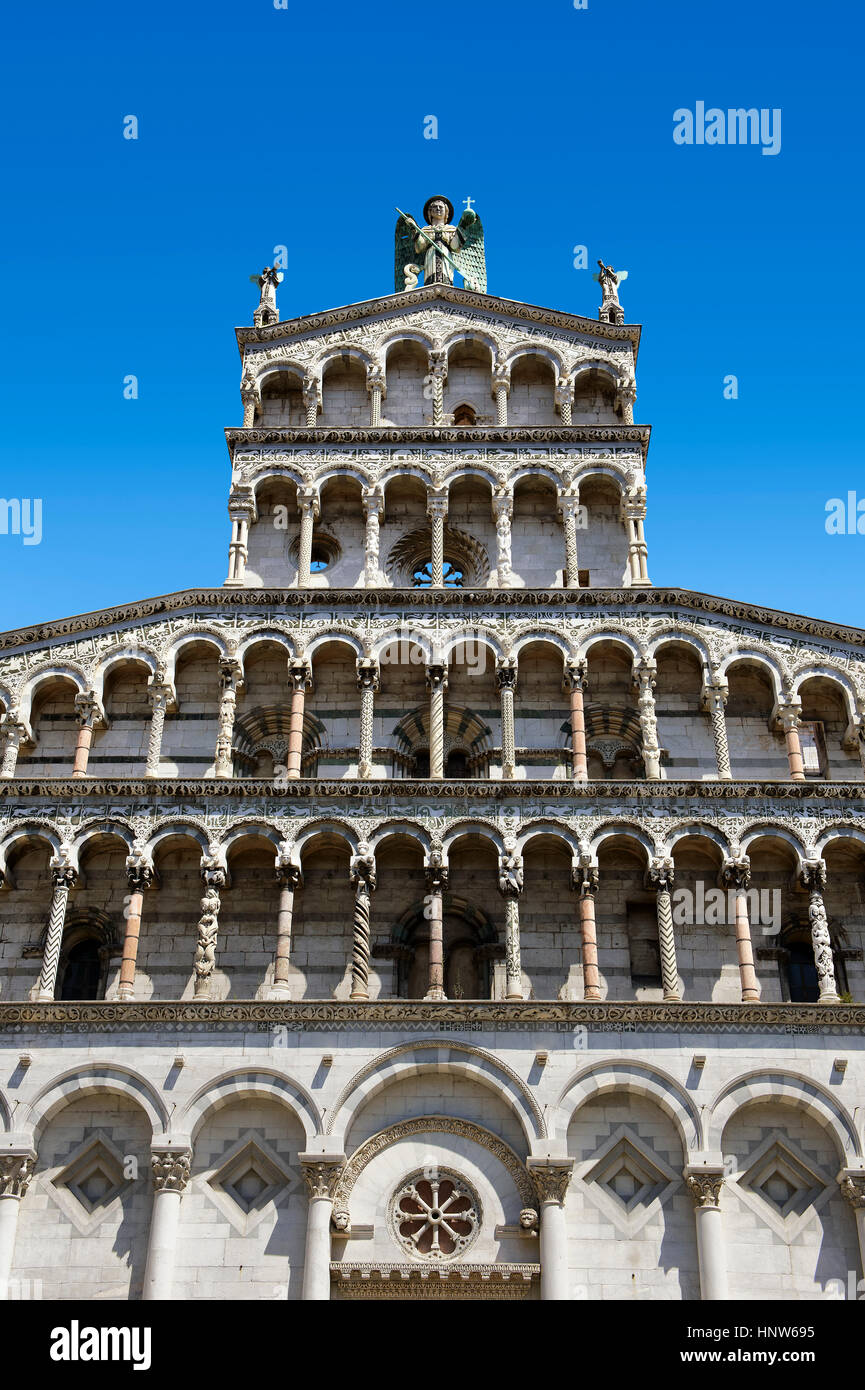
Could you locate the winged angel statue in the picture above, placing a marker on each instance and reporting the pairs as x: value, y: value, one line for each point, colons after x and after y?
x: 440, y: 248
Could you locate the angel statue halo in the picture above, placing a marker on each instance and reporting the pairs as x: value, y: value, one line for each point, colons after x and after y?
x: 439, y: 248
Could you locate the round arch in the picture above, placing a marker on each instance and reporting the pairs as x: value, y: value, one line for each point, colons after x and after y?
x: 107, y: 1078
x: 252, y: 1083
x: 787, y: 1088
x: 617, y: 1074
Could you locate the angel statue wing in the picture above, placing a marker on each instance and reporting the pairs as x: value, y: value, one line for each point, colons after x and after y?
x: 406, y: 270
x: 471, y: 259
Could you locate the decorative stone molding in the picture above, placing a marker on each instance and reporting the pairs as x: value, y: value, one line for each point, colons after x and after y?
x: 322, y: 1177
x: 705, y: 1188
x: 16, y: 1171
x: 462, y: 1280
x: 171, y: 1169
x: 551, y: 1177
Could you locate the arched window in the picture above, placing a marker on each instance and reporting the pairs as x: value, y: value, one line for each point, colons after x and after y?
x: 465, y: 415
x: 82, y: 973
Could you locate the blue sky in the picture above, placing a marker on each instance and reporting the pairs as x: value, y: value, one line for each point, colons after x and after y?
x: 260, y: 127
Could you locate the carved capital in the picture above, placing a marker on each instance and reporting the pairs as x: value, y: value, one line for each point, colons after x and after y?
x: 368, y: 674
x: 171, y: 1169
x: 705, y: 1188
x: 299, y: 674
x: 322, y: 1177
x: 16, y: 1170
x: 362, y: 870
x: 852, y: 1186
x: 662, y: 873
x: 736, y: 872
x: 506, y: 673
x: 551, y: 1178
x: 585, y: 879
x: 812, y: 875
x: 437, y: 678
x: 510, y: 874
x: 289, y: 875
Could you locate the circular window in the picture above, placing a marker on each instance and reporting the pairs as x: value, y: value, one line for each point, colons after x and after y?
x: 451, y: 573
x: 325, y: 552
x: 435, y: 1215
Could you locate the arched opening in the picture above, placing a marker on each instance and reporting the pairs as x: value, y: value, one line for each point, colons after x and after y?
x: 273, y: 537
x: 282, y: 404
x: 542, y: 713
x: 532, y: 398
x: 595, y: 400
x: 755, y: 750
x: 602, y: 542
x: 407, y: 368
x: 322, y: 932
x: 54, y: 721
x: 629, y: 954
x: 614, y: 743
x: 189, y: 736
x: 338, y: 536
x: 704, y: 923
x: 120, y: 749
x: 82, y: 975
x: 537, y: 541
x: 332, y: 714
x: 344, y: 397
x: 684, y: 729
x: 25, y: 904
x: 827, y: 751
x: 467, y: 394
x: 550, y: 944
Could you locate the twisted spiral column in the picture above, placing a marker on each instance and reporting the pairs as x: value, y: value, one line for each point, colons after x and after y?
x: 715, y: 698
x: 813, y: 877
x: 63, y: 877
x: 437, y: 684
x: 437, y: 510
x: 310, y: 400
x: 160, y: 696
x: 438, y: 370
x: 661, y: 874
x: 363, y: 878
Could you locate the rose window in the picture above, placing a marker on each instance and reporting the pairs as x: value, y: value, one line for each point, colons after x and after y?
x: 435, y: 1217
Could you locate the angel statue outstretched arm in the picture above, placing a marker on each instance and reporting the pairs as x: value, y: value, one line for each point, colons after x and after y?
x: 439, y: 248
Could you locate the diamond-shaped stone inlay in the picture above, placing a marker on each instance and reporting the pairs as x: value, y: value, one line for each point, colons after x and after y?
x: 90, y: 1181
x: 249, y: 1179
x: 783, y: 1185
x: 627, y: 1180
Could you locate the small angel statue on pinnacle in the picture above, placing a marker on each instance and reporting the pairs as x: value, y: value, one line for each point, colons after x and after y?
x: 441, y: 248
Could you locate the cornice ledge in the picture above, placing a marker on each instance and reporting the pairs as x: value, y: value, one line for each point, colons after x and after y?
x: 445, y: 294
x: 434, y: 434
x: 628, y: 1015
x: 230, y: 600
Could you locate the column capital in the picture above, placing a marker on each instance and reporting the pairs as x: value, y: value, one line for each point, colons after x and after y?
x: 551, y: 1178
x: 564, y: 391
x: 16, y: 1170
x: 704, y: 1182
x: 288, y: 874
x: 230, y: 674
x: 368, y: 673
x: 661, y: 872
x: 568, y: 501
x: 437, y: 502
x: 714, y: 693
x: 437, y: 871
x: 506, y: 673
x: 437, y: 676
x: 161, y: 693
x: 502, y: 503
x: 90, y: 713
x: 308, y: 501
x: 299, y: 673
x: 501, y: 376
x: 575, y: 673
x: 63, y: 873
x: 438, y: 363
x: 321, y: 1173
x: 140, y: 873
x: 241, y: 504
x: 736, y: 871
x: 634, y: 502
x: 171, y: 1166
x: 372, y: 500
x: 787, y: 712
x: 812, y: 875
x: 376, y: 379
x: 362, y: 867
x: 852, y: 1184
x: 213, y: 873
x: 510, y: 874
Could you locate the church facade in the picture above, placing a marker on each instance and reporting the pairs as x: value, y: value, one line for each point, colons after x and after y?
x: 436, y: 909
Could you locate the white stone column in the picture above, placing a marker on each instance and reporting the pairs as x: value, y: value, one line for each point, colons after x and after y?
x: 242, y: 511
x: 569, y: 511
x: 309, y: 507
x: 813, y: 877
x: 311, y: 400
x: 437, y: 882
x: 564, y: 398
x: 438, y: 371
x: 661, y: 875
x: 17, y: 1163
x: 634, y: 515
x: 214, y: 878
x: 230, y: 685
x: 376, y: 385
x: 436, y: 684
x: 852, y: 1184
x: 162, y: 696
x: 506, y: 680
x: 704, y: 1182
x: 501, y: 389
x: 12, y: 733
x: 321, y: 1174
x: 552, y: 1177
x: 503, y: 508
x: 644, y: 677
x: 372, y: 499
x: 250, y: 396
x: 737, y: 874
x: 63, y: 878
x: 170, y: 1166
x: 437, y: 510
x: 510, y: 887
x: 363, y: 879
x: 289, y: 878
x: 368, y: 682
x: 714, y: 698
